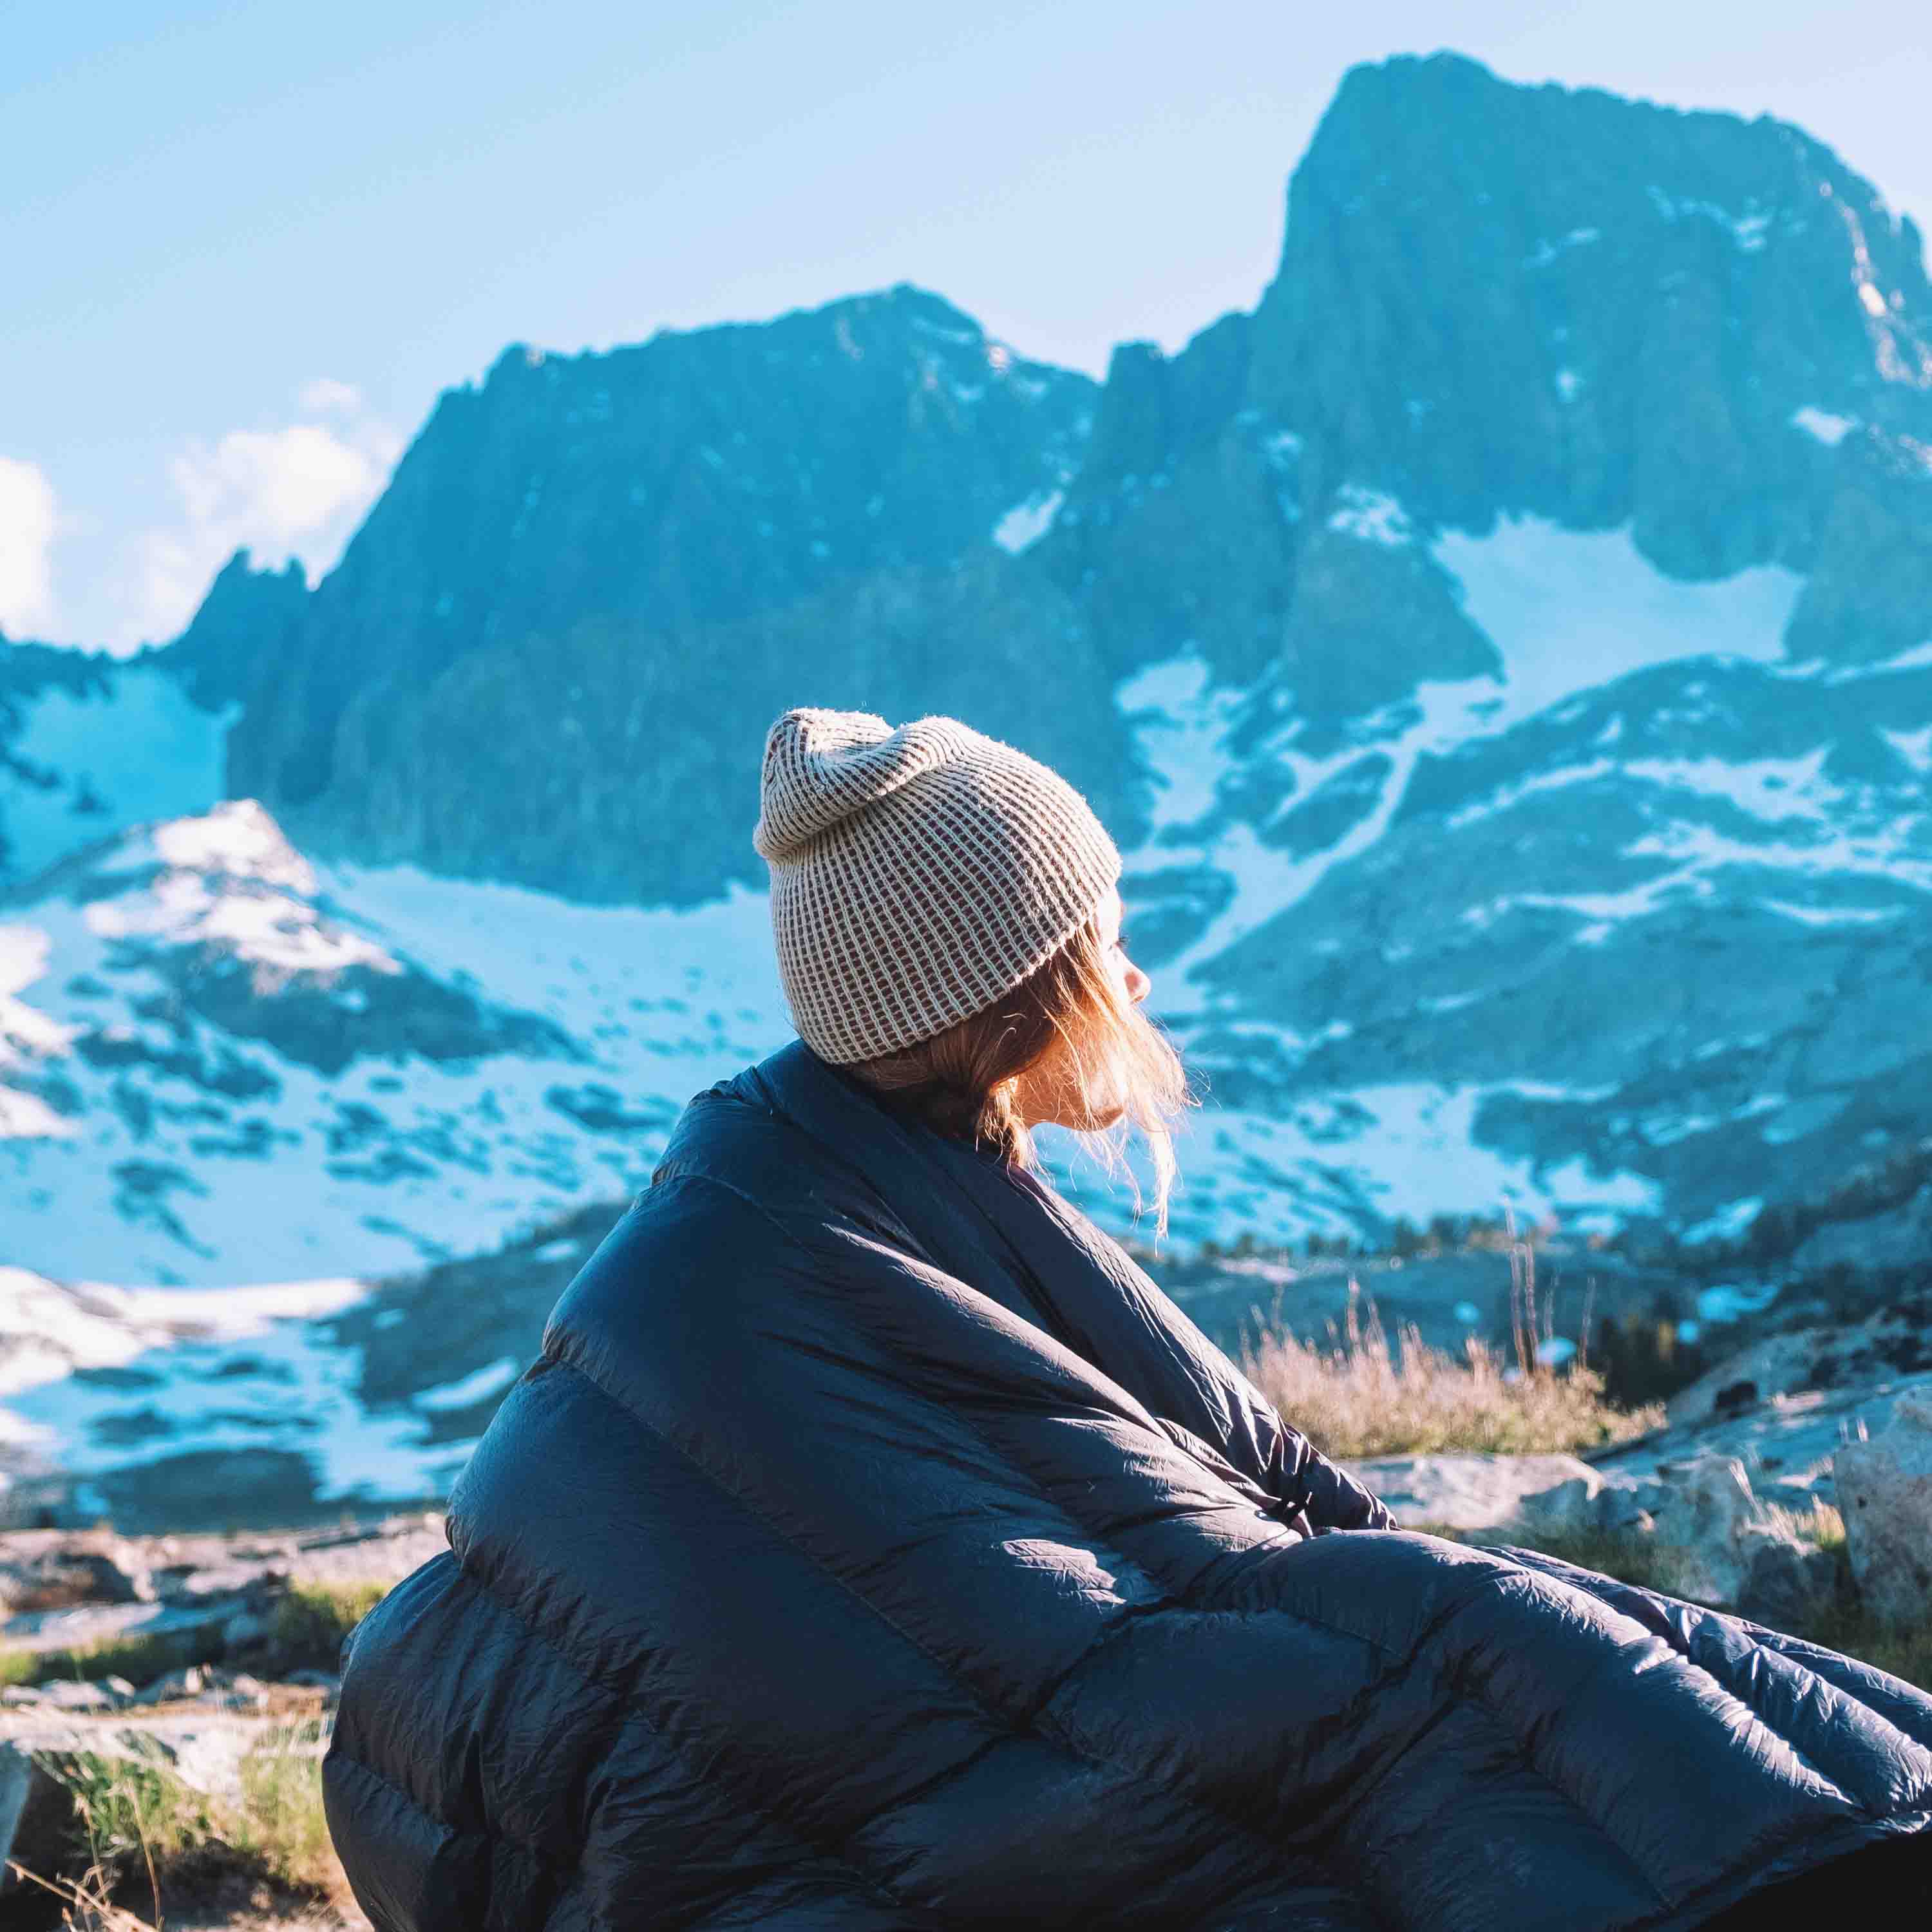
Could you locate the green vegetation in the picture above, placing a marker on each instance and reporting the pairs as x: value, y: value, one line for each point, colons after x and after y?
x: 140, y: 1837
x: 138, y: 1659
x: 312, y: 1620
x: 305, y: 1633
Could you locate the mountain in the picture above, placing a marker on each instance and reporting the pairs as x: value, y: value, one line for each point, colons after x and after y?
x: 594, y: 573
x: 1505, y: 656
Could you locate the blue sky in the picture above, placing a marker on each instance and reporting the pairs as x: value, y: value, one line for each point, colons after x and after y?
x: 244, y: 246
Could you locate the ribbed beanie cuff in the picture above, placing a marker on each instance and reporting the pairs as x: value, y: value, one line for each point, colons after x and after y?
x: 917, y: 873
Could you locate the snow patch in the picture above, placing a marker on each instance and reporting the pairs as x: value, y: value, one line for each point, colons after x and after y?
x: 1748, y: 231
x: 1371, y: 516
x: 387, y: 1163
x: 140, y: 750
x: 1822, y: 426
x: 1571, y: 610
x: 1914, y: 747
x: 1025, y: 524
x: 1726, y: 1224
x: 51, y: 1328
x: 1547, y: 252
x: 491, y: 1379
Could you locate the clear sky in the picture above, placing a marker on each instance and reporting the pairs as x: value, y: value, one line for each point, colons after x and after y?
x: 243, y: 246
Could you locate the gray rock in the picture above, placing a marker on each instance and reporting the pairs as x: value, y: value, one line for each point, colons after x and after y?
x: 36, y: 1812
x: 1885, y: 1492
x: 43, y: 1572
x: 1473, y: 1492
x: 1565, y: 1507
x: 1786, y: 1581
x: 1709, y: 1514
x: 1629, y: 1504
x: 177, y: 1683
x: 64, y: 1694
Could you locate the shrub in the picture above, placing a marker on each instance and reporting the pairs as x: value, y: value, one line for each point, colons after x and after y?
x: 1362, y: 1396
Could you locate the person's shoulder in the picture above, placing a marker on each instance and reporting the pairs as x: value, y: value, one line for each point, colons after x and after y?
x: 731, y: 1142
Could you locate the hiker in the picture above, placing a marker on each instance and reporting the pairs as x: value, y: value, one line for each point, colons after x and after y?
x: 874, y: 1546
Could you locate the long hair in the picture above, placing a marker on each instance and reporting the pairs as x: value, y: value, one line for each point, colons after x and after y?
x: 1114, y: 1064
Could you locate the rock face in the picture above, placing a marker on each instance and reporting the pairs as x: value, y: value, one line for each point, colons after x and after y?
x: 593, y: 573
x: 1885, y: 1492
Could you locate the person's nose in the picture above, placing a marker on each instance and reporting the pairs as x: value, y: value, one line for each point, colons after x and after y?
x: 1138, y: 985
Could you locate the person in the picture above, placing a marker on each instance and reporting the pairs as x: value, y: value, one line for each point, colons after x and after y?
x: 874, y: 1546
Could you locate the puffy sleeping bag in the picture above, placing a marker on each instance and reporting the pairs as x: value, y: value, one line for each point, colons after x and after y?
x: 874, y: 1546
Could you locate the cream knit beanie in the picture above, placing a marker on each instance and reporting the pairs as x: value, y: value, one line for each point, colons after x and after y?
x: 917, y: 873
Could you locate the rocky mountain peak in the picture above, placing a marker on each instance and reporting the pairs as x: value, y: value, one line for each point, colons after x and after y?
x: 1501, y: 298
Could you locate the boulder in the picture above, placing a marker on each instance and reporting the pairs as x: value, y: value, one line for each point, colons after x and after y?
x: 1709, y: 1514
x: 175, y: 1685
x: 40, y: 1572
x: 1885, y: 1492
x: 1475, y: 1492
x: 1628, y: 1504
x: 1787, y: 1582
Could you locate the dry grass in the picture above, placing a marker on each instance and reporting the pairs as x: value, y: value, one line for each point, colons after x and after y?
x: 1363, y: 1395
x: 143, y: 1840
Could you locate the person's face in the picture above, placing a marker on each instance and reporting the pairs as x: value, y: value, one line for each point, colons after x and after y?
x: 1135, y: 985
x: 1042, y: 1094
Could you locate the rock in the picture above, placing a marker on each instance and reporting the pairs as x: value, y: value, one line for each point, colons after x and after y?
x: 1885, y: 1492
x: 1567, y: 1506
x: 1472, y: 1493
x: 1787, y: 1582
x: 188, y: 1683
x: 36, y: 1812
x: 1629, y: 1504
x: 1734, y: 1396
x: 1707, y: 1510
x: 64, y: 1694
x: 247, y: 1626
x: 58, y: 1573
x: 237, y: 1687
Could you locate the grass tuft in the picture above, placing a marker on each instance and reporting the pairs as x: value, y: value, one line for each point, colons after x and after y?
x: 312, y: 1620
x: 305, y: 1633
x: 1363, y: 1396
x: 141, y: 1838
x: 139, y: 1659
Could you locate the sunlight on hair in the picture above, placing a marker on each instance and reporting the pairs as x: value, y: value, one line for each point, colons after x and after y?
x: 1109, y: 1072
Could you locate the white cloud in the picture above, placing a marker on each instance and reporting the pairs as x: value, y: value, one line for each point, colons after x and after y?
x: 298, y: 491
x: 26, y: 545
x: 326, y: 396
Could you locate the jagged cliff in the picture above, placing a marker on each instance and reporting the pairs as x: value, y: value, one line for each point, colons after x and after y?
x: 594, y: 575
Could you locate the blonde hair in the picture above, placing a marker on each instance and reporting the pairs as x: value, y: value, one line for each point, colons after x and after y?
x: 964, y: 1081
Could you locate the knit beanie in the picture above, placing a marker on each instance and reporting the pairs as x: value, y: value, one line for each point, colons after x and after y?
x: 918, y: 873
